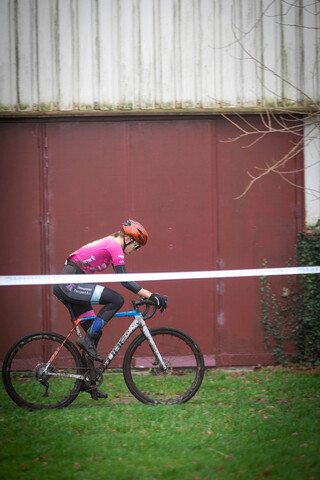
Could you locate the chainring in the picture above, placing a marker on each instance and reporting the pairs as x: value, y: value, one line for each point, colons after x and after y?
x: 91, y: 378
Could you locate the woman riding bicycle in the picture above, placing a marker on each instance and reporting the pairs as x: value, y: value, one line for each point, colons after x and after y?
x: 96, y: 256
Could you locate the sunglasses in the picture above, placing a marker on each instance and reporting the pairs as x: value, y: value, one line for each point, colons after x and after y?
x: 136, y: 245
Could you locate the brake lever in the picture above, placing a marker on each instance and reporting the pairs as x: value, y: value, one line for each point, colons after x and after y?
x: 147, y: 303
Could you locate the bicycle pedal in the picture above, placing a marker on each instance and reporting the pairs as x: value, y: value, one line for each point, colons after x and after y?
x: 100, y: 394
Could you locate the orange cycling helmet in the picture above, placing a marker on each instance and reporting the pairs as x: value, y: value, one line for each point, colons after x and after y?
x: 136, y: 231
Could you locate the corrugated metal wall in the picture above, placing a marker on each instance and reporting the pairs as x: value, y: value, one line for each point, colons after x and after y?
x: 312, y: 170
x: 107, y: 55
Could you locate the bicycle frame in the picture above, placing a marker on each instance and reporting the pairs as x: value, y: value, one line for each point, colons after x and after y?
x: 138, y: 322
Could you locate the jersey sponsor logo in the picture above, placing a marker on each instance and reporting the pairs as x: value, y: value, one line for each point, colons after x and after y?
x: 88, y: 260
x: 83, y: 290
x: 101, y: 267
x: 121, y: 259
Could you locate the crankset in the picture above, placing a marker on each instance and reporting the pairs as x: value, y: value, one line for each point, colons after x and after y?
x: 93, y: 376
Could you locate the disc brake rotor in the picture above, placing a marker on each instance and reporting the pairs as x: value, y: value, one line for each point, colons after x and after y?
x: 158, y: 370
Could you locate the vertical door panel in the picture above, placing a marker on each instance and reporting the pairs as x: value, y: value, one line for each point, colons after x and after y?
x: 263, y: 224
x: 156, y: 172
x: 21, y: 307
x: 87, y: 191
x: 171, y: 171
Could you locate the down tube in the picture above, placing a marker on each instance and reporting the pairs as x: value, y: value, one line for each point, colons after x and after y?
x: 132, y: 328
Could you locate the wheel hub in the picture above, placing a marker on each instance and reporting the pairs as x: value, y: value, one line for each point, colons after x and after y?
x: 158, y: 370
x: 43, y: 371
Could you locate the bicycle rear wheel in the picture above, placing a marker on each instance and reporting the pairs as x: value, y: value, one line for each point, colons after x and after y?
x: 151, y: 384
x: 30, y: 383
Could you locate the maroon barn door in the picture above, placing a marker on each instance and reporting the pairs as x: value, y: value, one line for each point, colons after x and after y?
x: 66, y: 183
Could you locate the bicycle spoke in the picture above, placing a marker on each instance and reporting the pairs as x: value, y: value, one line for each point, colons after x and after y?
x: 181, y: 378
x: 32, y: 382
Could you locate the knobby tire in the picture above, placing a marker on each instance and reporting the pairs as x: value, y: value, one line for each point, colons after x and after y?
x: 27, y: 356
x: 185, y: 367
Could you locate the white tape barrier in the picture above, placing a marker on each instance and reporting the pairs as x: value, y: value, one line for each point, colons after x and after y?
x: 6, y: 280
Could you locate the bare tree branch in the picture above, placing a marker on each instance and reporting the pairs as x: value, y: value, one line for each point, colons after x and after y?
x: 276, y: 119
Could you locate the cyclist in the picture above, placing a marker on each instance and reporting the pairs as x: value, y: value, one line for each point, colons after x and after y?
x: 93, y: 257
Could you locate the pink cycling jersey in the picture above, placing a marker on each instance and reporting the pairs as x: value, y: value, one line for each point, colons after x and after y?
x: 96, y: 256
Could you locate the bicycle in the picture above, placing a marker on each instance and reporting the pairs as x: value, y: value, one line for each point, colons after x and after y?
x: 163, y: 365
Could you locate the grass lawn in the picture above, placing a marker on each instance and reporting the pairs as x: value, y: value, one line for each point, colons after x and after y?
x: 241, y: 425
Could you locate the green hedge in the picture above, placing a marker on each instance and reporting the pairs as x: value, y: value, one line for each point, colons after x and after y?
x: 294, y: 315
x: 308, y: 340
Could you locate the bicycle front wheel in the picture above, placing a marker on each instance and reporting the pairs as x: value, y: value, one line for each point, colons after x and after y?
x: 183, y: 375
x: 33, y: 382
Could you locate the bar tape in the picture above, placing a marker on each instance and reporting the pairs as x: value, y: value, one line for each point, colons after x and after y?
x: 7, y: 280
